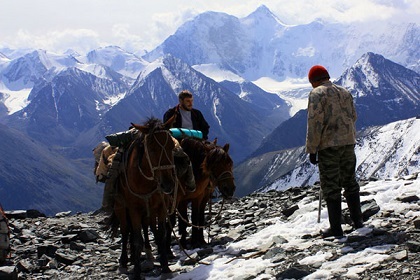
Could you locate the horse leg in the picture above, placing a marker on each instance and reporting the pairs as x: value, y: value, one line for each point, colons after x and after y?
x: 136, y: 250
x: 147, y: 246
x: 182, y: 225
x: 195, y: 220
x: 197, y: 216
x: 123, y: 218
x: 124, y: 256
x: 136, y: 241
x: 161, y: 244
x: 169, y: 226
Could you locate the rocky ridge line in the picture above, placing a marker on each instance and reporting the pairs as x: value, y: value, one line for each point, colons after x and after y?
x: 75, y: 247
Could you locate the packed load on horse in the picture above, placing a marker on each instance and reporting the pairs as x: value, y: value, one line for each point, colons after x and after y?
x: 143, y: 194
x: 180, y: 133
x: 152, y: 173
x: 108, y: 157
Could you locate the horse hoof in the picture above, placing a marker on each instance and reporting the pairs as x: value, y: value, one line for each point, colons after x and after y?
x: 147, y: 266
x: 122, y: 270
x: 198, y: 244
x: 170, y: 255
x: 166, y: 270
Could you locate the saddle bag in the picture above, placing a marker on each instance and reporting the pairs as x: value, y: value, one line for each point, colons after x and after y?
x: 183, y: 132
x: 122, y: 139
x: 4, y: 237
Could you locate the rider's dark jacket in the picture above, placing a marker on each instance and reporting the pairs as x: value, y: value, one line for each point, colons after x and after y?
x: 199, y: 123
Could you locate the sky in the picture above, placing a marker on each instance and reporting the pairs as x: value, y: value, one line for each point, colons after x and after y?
x: 303, y: 222
x: 138, y: 26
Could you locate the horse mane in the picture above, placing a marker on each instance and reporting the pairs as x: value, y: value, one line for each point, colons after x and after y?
x: 216, y: 156
x: 153, y: 124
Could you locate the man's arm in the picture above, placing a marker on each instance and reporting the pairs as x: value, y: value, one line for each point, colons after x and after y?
x: 168, y: 114
x: 315, y: 123
x: 202, y: 124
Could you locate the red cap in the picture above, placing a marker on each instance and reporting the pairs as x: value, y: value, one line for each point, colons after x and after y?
x: 317, y: 73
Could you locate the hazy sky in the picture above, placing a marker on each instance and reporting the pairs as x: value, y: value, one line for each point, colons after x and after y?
x: 83, y: 25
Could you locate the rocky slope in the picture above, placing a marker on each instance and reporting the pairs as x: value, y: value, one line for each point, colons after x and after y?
x: 70, y: 246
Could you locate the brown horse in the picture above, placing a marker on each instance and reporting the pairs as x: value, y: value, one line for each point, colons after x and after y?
x: 143, y: 190
x: 212, y: 167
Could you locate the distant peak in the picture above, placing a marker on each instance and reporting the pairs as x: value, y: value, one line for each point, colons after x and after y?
x: 262, y: 12
x: 370, y: 57
x: 263, y: 9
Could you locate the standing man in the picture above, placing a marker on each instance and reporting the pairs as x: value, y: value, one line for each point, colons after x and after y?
x: 186, y: 115
x: 330, y: 140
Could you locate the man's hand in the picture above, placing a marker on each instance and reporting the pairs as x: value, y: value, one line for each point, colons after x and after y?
x: 312, y: 158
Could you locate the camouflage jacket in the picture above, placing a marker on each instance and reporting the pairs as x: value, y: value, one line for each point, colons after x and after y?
x: 331, y: 118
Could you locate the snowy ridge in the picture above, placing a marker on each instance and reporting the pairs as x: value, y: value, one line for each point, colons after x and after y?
x: 255, y: 237
x: 265, y: 252
x: 383, y: 152
x: 117, y: 59
x: 372, y: 72
x: 389, y: 151
x: 259, y: 45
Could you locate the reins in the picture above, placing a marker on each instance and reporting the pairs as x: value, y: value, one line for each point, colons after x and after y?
x: 223, y: 176
x: 163, y: 152
x: 147, y: 196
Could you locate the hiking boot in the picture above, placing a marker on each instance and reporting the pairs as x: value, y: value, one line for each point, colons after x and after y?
x: 329, y: 233
x: 353, y: 202
x: 334, y: 217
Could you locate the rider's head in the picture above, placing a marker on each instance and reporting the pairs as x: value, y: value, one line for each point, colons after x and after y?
x: 186, y: 100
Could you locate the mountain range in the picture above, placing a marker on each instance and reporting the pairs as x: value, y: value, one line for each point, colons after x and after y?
x: 388, y: 151
x: 261, y: 45
x: 383, y: 92
x: 66, y: 103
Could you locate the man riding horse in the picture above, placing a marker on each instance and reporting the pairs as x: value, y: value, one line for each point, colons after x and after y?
x: 184, y: 116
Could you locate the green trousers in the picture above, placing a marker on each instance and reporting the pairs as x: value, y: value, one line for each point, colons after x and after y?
x: 337, y: 171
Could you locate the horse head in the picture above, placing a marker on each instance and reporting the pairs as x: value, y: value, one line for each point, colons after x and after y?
x: 220, y: 166
x: 158, y: 147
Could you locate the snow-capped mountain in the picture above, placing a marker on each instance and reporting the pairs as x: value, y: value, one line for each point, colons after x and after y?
x: 392, y: 150
x: 275, y: 109
x: 383, y: 92
x: 117, y: 59
x: 24, y: 71
x: 260, y: 45
x: 69, y: 102
x: 82, y: 104
x: 231, y: 118
x: 72, y: 102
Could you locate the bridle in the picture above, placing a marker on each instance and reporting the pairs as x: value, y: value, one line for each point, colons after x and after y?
x: 225, y: 175
x: 163, y: 154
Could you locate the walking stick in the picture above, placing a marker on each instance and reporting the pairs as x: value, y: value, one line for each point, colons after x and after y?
x: 319, y: 205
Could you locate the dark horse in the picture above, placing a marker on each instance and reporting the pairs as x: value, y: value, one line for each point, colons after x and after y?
x: 143, y: 190
x: 212, y: 167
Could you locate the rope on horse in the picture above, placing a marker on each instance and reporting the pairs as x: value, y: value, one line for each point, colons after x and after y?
x: 158, y: 167
x: 147, y: 196
x: 182, y: 248
x: 208, y: 224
